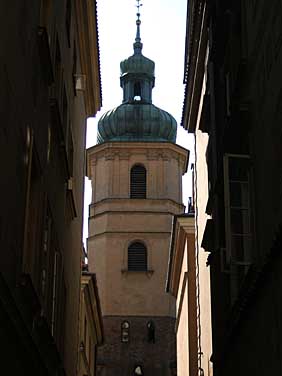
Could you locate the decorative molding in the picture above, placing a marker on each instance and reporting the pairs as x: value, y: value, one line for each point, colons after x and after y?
x: 93, y: 161
x: 109, y: 156
x: 123, y: 155
x: 139, y: 233
x: 153, y: 155
x: 167, y: 156
x: 151, y: 151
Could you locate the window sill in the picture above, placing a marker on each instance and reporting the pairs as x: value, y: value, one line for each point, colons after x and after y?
x: 149, y: 272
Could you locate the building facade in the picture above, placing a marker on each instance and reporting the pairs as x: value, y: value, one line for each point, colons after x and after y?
x: 195, y: 78
x: 136, y: 170
x: 181, y: 283
x: 234, y: 89
x: 49, y: 74
x: 90, y: 325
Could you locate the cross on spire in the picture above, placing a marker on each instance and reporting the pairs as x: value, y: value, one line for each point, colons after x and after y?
x: 138, y: 7
x: 138, y: 44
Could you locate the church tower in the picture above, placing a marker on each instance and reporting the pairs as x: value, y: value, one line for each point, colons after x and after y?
x: 136, y: 173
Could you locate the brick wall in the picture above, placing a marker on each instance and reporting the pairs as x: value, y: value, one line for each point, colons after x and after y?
x: 117, y: 358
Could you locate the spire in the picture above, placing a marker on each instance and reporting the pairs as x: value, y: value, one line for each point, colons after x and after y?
x: 137, y: 77
x: 138, y: 45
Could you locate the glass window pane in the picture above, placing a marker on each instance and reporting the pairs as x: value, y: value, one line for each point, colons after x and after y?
x: 241, y: 248
x: 239, y: 194
x: 239, y: 169
x: 240, y: 221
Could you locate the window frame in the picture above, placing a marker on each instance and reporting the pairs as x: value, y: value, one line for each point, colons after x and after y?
x: 137, y: 91
x: 134, y: 190
x: 151, y: 332
x: 232, y: 260
x: 145, y: 249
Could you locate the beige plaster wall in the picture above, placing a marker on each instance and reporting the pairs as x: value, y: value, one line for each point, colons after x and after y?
x: 130, y: 222
x: 86, y: 358
x: 182, y: 281
x: 201, y: 192
x: 182, y: 340
x: 182, y: 284
x: 182, y: 329
x: 116, y: 220
x: 125, y: 205
x: 131, y: 293
x: 109, y: 169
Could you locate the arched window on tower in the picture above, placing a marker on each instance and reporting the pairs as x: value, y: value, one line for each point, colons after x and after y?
x: 137, y: 91
x: 125, y: 331
x: 151, y: 332
x: 137, y: 257
x: 138, y: 182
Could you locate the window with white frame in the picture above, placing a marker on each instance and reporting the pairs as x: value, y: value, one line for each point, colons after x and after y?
x: 238, y: 217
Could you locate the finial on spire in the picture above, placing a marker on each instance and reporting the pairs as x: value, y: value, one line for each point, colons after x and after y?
x: 138, y: 45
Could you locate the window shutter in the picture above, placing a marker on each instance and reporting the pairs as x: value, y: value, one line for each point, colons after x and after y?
x: 138, y: 182
x: 137, y: 257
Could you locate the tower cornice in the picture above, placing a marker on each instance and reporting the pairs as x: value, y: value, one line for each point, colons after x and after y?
x: 123, y: 150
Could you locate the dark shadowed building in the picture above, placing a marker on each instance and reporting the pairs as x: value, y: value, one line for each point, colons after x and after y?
x: 233, y: 104
x: 49, y: 75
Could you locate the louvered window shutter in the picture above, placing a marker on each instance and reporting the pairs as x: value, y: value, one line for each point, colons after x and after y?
x: 137, y: 257
x: 138, y: 182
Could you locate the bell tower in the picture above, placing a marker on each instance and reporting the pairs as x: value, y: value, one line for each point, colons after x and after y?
x: 136, y: 173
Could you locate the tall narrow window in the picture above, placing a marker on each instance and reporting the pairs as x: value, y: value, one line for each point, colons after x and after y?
x: 70, y: 149
x: 238, y: 217
x: 68, y: 20
x: 74, y: 68
x: 151, y: 332
x: 138, y: 182
x: 35, y: 217
x: 137, y: 91
x: 58, y: 72
x: 137, y: 257
x: 125, y: 332
x: 85, y: 331
x: 55, y: 293
x: 65, y: 111
x: 90, y: 351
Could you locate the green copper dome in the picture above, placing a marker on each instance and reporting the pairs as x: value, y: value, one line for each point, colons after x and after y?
x: 137, y: 64
x: 137, y: 119
x: 137, y: 122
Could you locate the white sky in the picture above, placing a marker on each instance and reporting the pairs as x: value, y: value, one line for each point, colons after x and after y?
x: 163, y: 36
